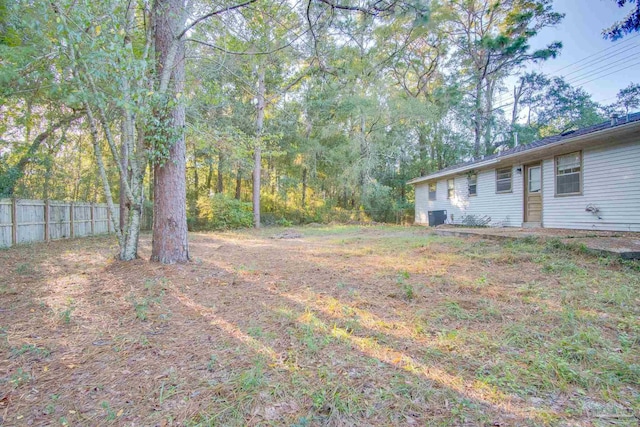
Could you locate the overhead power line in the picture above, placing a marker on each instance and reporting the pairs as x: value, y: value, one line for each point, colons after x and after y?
x: 596, y: 73
x: 635, y: 64
x: 605, y: 67
x: 596, y: 53
x: 602, y: 101
x: 603, y: 59
x: 613, y: 72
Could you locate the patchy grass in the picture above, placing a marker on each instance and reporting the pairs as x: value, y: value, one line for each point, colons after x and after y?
x: 349, y: 325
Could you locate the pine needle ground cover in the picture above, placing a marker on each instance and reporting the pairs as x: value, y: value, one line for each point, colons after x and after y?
x: 343, y: 326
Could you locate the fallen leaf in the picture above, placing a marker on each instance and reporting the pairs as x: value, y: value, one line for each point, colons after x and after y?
x: 120, y: 412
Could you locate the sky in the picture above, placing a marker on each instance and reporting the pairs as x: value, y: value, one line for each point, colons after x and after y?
x: 601, y: 66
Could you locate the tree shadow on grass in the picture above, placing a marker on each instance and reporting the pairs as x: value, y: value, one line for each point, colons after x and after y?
x: 330, y: 344
x: 254, y: 332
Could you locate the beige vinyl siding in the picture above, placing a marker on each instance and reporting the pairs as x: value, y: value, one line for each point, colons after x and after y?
x: 504, y: 209
x: 611, y: 182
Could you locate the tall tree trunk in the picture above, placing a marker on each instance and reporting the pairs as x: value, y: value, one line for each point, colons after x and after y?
x: 488, y: 108
x: 477, y: 121
x: 196, y: 178
x: 238, y: 184
x: 271, y: 166
x: 257, y: 153
x: 78, y: 172
x: 124, y: 160
x: 170, y: 235
x: 102, y: 171
x: 365, y: 152
x: 515, y: 111
x: 132, y: 176
x: 207, y: 184
x: 423, y: 148
x: 134, y: 163
x: 220, y: 182
x: 151, y: 180
x: 196, y: 185
x: 148, y: 218
x: 304, y: 187
x: 47, y: 176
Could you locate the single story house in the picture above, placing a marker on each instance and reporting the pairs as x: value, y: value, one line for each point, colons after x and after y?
x: 583, y: 179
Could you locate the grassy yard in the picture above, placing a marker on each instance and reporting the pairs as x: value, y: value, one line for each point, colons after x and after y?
x: 346, y: 326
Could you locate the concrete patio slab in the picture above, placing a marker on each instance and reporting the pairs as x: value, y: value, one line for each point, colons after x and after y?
x: 625, y: 245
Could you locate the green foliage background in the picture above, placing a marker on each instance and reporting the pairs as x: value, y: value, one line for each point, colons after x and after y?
x: 356, y: 105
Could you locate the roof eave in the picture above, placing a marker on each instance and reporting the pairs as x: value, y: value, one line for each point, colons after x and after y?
x: 453, y: 171
x: 512, y: 156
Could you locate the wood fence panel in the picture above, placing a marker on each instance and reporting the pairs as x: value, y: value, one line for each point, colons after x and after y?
x: 25, y: 221
x: 81, y: 219
x: 101, y: 218
x: 6, y: 223
x: 59, y: 220
x: 30, y: 219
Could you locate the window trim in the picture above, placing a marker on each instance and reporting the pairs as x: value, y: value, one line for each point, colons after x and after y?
x: 510, y: 190
x: 451, y: 191
x: 475, y: 193
x: 555, y: 175
x: 435, y: 191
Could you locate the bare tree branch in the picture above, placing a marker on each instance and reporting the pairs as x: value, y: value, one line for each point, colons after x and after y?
x: 231, y: 52
x: 210, y: 14
x: 377, y: 8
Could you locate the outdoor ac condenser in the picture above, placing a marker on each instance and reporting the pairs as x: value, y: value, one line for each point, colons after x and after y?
x: 437, y: 217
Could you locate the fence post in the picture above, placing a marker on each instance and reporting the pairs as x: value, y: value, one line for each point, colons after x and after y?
x: 93, y: 219
x: 14, y: 220
x: 71, y: 232
x: 46, y: 220
x: 108, y: 220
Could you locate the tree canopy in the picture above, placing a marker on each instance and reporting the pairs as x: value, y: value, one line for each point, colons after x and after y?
x: 627, y: 25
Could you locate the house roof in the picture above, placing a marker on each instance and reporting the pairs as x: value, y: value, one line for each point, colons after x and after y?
x: 522, y: 149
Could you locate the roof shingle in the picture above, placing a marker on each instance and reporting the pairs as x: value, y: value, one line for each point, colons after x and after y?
x: 634, y: 117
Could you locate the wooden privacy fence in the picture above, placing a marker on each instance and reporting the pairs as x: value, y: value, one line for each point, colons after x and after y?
x: 24, y: 221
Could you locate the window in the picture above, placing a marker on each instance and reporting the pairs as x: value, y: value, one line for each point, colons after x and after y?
x: 451, y: 189
x: 432, y: 191
x: 472, y: 184
x: 503, y: 180
x: 568, y: 174
x: 534, y: 179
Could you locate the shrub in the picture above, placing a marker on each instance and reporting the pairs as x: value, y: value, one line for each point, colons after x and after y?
x: 380, y: 204
x: 220, y: 212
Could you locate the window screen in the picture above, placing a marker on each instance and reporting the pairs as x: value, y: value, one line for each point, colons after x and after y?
x: 568, y: 173
x: 450, y: 188
x: 432, y: 191
x: 503, y: 180
x: 472, y: 183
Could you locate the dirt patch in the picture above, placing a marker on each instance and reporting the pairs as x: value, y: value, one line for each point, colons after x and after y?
x: 348, y: 326
x: 287, y: 234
